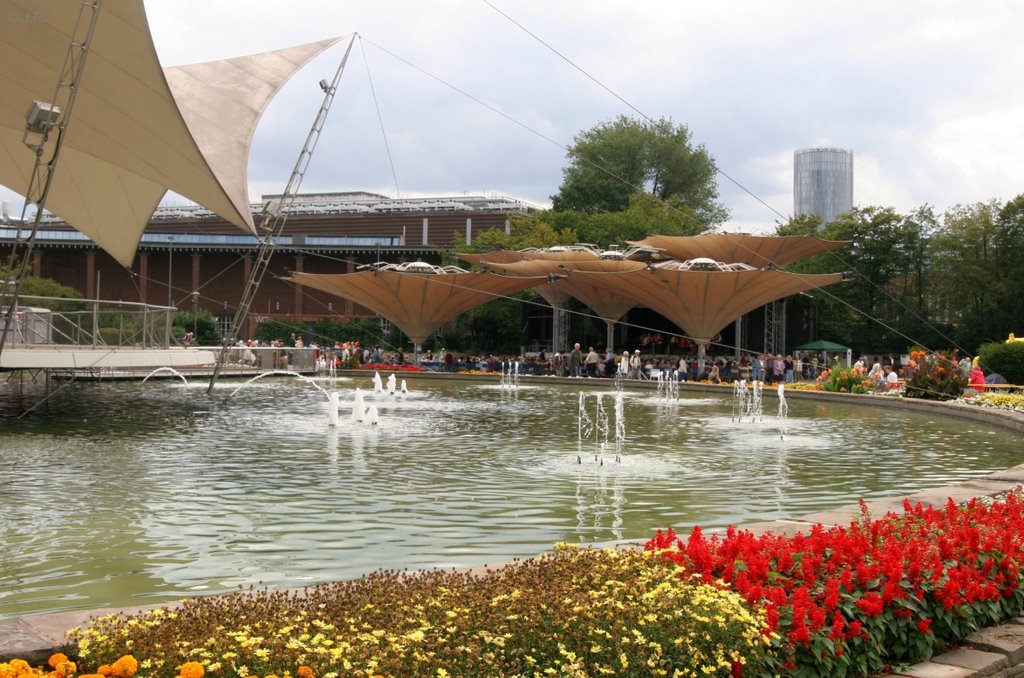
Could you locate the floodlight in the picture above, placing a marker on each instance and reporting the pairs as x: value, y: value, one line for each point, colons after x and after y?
x: 272, y: 208
x: 40, y: 116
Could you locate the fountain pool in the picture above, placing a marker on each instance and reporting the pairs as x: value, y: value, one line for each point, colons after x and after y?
x: 124, y: 493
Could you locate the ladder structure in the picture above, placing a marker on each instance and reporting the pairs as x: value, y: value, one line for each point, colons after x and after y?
x: 775, y: 327
x: 46, y: 125
x: 273, y: 218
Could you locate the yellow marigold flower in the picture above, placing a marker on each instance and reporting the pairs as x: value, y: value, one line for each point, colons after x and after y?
x: 191, y: 670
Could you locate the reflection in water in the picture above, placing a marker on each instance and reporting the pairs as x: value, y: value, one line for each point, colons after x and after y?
x: 124, y: 493
x: 598, y: 509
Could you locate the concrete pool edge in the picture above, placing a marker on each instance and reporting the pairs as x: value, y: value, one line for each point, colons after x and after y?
x: 35, y: 637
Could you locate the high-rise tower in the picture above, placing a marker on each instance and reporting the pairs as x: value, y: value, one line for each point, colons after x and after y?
x: 822, y: 182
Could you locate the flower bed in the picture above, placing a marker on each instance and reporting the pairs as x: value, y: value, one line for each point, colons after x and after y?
x: 842, y: 601
x: 381, y: 367
x: 857, y: 600
x: 574, y: 612
x: 1012, y: 401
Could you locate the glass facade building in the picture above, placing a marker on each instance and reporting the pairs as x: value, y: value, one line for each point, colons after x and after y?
x: 822, y: 182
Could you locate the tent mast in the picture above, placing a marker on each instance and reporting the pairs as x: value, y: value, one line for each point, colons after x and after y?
x: 42, y: 118
x: 275, y: 214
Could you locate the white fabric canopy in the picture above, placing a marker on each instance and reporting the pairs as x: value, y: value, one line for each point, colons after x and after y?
x: 137, y: 130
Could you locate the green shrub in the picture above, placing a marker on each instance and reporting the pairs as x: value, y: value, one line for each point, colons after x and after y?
x: 1006, y: 358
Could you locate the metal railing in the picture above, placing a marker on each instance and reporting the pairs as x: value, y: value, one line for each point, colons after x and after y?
x: 95, y: 323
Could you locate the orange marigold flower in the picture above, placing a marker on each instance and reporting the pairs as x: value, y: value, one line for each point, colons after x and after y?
x: 105, y: 670
x: 305, y: 672
x: 125, y: 667
x: 57, y: 658
x: 191, y: 670
x: 63, y: 669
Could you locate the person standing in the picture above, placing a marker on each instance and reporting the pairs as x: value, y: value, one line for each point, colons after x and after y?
x: 556, y: 364
x: 575, y: 361
x: 634, y: 365
x: 756, y: 367
x: 609, y: 362
x: 591, y: 362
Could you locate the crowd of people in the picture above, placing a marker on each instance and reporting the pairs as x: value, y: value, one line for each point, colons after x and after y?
x: 646, y: 362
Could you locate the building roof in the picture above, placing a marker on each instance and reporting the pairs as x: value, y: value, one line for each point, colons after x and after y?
x: 137, y: 130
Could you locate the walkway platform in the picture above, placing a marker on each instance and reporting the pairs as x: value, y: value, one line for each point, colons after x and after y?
x: 52, y: 357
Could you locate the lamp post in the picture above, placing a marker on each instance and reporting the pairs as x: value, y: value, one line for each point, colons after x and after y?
x: 170, y: 269
x: 195, y: 315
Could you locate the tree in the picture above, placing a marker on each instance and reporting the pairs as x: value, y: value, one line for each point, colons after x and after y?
x: 880, y: 308
x: 535, y: 230
x: 644, y: 215
x: 964, y: 266
x: 1008, y: 314
x: 801, y: 224
x: 34, y: 286
x: 202, y: 324
x: 615, y: 160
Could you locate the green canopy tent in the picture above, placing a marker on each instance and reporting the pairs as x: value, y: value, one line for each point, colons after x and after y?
x: 825, y: 347
x: 822, y: 345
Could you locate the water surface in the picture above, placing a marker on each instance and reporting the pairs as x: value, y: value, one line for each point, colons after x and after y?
x: 122, y: 493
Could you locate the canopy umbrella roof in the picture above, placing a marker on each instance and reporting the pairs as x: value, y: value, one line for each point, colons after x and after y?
x: 137, y: 130
x: 578, y: 252
x: 610, y: 307
x: 418, y: 299
x: 822, y: 345
x: 700, y: 296
x: 759, y: 251
x: 555, y: 295
x: 702, y: 302
x: 610, y: 304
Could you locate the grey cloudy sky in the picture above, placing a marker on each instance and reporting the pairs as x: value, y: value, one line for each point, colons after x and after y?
x: 464, y: 100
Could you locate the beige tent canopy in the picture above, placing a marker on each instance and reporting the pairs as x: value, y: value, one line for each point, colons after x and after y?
x: 704, y: 301
x: 700, y: 296
x: 137, y: 130
x: 757, y: 250
x: 607, y: 302
x: 417, y: 297
x: 579, y: 252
